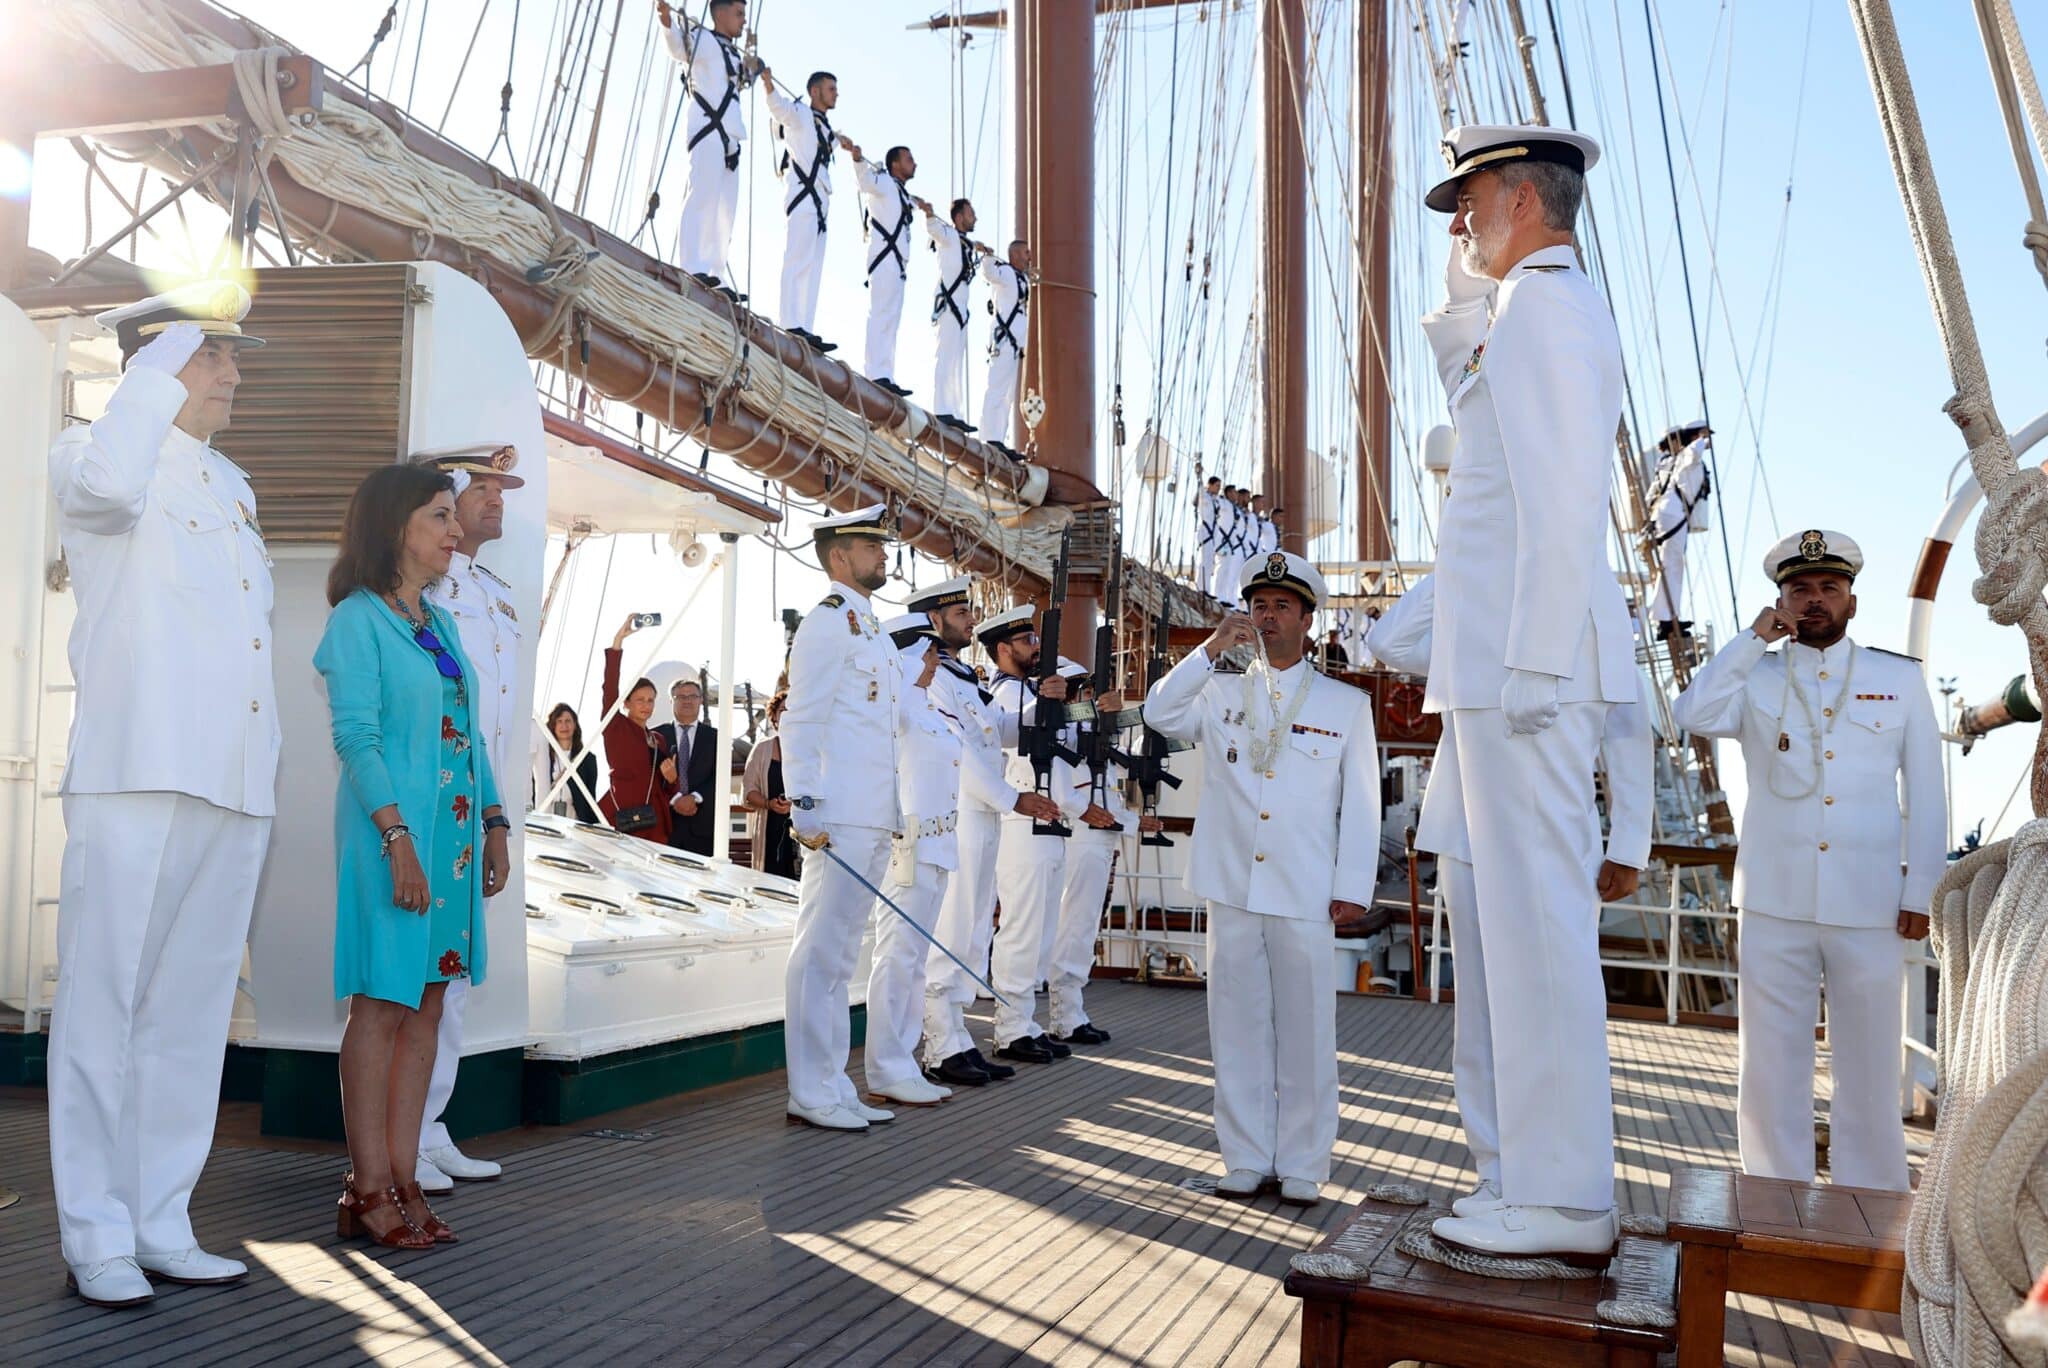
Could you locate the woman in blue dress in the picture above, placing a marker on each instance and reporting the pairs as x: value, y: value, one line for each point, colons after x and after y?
x: 420, y: 838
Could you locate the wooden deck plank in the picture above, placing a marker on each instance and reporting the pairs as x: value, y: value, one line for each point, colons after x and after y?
x: 1039, y: 1221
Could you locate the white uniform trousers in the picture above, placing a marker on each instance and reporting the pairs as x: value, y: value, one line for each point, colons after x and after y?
x: 1536, y: 852
x: 1030, y: 874
x: 155, y: 899
x: 803, y: 267
x: 1671, y: 578
x: 1073, y: 942
x: 1472, y: 1043
x: 1000, y: 399
x: 710, y: 203
x: 965, y: 926
x: 949, y: 369
x: 447, y: 1056
x: 1230, y: 576
x: 1273, y: 1031
x: 1778, y: 997
x: 1205, y: 565
x: 885, y: 316
x: 832, y: 913
x: 896, y: 982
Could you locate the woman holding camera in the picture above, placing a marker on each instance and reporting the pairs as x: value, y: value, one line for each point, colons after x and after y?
x: 637, y: 802
x: 420, y: 838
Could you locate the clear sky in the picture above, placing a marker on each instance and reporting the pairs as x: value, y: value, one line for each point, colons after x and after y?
x: 1824, y: 371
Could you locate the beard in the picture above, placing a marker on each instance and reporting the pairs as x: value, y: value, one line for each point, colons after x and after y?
x: 1480, y: 248
x: 873, y: 580
x: 1820, y: 630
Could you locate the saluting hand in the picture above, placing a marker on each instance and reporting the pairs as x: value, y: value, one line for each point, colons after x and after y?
x: 1235, y: 630
x: 931, y: 666
x: 664, y: 13
x: 1774, y: 624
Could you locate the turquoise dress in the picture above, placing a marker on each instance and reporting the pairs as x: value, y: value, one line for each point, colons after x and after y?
x: 403, y: 738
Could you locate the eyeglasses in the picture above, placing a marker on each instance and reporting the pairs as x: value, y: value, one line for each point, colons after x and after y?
x: 445, y: 662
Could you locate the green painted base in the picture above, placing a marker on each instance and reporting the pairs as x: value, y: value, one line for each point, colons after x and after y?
x: 301, y: 1094
x: 562, y: 1092
x: 24, y: 1057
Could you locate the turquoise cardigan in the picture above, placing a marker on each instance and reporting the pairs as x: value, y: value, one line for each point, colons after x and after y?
x: 384, y: 694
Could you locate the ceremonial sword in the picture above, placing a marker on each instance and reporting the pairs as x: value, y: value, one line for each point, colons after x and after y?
x: 890, y: 903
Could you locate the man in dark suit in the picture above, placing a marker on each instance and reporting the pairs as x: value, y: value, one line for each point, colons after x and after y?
x: 692, y: 767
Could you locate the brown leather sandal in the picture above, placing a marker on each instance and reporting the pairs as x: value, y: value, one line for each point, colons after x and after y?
x: 354, y: 1206
x: 433, y: 1225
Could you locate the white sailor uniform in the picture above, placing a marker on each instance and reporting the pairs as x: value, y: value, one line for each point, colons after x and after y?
x: 839, y: 764
x: 1523, y: 585
x: 481, y: 605
x: 715, y: 75
x: 950, y: 304
x: 1234, y: 530
x: 1273, y: 847
x: 1678, y: 508
x: 1817, y: 878
x: 922, y: 859
x: 1009, y: 308
x: 169, y: 791
x: 1030, y: 871
x: 967, y: 915
x: 1208, y: 510
x: 886, y: 214
x: 1090, y: 856
x: 808, y: 141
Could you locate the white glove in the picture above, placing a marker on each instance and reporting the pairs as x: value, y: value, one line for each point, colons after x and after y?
x: 1528, y: 701
x: 1460, y: 285
x: 808, y: 830
x: 170, y: 349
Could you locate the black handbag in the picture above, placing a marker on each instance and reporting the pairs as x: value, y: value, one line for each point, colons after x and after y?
x: 632, y: 819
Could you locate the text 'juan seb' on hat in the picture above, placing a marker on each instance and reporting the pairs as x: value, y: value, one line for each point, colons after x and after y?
x: 1488, y: 147
x: 1004, y: 625
x: 910, y: 629
x: 944, y: 594
x: 1805, y: 552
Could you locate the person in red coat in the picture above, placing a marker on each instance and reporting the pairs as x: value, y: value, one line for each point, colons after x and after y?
x: 637, y: 802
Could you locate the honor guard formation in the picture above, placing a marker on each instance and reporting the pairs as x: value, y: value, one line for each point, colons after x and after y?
x: 972, y: 814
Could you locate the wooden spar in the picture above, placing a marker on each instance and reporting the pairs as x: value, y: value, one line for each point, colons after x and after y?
x: 1283, y: 35
x: 1056, y: 211
x: 1375, y: 221
x: 1001, y: 18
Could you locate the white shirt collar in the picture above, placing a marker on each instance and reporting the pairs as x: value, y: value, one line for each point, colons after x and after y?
x: 854, y: 597
x: 1831, y: 658
x: 1560, y: 255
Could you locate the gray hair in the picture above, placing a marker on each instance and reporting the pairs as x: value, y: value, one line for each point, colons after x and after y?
x: 1559, y: 189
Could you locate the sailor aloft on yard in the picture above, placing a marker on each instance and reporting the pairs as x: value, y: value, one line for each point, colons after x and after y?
x: 479, y: 602
x: 967, y: 915
x: 886, y: 210
x: 808, y: 141
x: 1236, y: 533
x: 1011, y: 280
x: 1286, y: 846
x: 168, y: 794
x: 839, y: 764
x: 1208, y: 509
x: 1530, y: 647
x: 1833, y: 736
x: 952, y: 305
x: 716, y: 75
x: 1676, y: 491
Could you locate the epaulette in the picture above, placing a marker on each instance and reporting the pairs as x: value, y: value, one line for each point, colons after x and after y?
x: 487, y: 574
x: 833, y: 601
x: 1896, y: 655
x: 1547, y: 268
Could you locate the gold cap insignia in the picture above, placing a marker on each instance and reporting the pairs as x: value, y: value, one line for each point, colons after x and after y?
x: 1276, y: 566
x: 1812, y: 545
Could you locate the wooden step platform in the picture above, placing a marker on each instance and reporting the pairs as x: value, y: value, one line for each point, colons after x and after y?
x: 1402, y: 1307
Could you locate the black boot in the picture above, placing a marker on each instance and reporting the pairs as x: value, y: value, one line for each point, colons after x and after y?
x: 990, y: 1067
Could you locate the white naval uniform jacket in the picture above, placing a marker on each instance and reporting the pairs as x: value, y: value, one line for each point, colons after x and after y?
x: 703, y: 53
x: 1676, y: 487
x: 1112, y: 802
x: 1521, y: 564
x: 928, y: 776
x: 1004, y: 279
x: 984, y: 786
x: 171, y: 648
x: 1289, y: 840
x: 798, y: 123
x: 839, y: 724
x: 1832, y: 855
x: 481, y: 605
x: 1016, y: 706
x: 1268, y: 538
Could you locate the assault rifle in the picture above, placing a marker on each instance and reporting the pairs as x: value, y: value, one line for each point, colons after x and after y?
x: 1099, y: 742
x: 1148, y: 766
x: 1038, y: 740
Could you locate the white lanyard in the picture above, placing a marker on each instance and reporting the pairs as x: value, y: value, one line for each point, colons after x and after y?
x: 1796, y: 687
x: 1283, y: 712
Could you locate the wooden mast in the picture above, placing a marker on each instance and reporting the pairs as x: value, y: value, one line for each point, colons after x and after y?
x: 1283, y: 52
x: 1375, y: 221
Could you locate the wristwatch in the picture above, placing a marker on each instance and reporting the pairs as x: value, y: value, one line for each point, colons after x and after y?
x: 807, y: 804
x: 497, y: 823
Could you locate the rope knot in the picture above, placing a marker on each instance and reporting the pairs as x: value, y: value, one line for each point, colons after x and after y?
x: 2012, y: 539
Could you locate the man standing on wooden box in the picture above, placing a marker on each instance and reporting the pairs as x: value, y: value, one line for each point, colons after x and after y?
x: 1530, y: 646
x: 169, y: 792
x: 1831, y: 732
x: 1286, y: 846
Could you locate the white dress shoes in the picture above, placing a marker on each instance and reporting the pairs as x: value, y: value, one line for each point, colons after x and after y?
x: 1535, y: 1232
x: 912, y: 1092
x: 1300, y: 1192
x: 1478, y: 1202
x: 194, y: 1266
x: 874, y: 1116
x: 111, y: 1282
x: 429, y: 1176
x: 1240, y: 1183
x: 461, y: 1167
x: 833, y: 1117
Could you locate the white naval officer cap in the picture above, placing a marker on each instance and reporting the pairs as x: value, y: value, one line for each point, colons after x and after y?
x: 1485, y: 147
x: 1805, y: 552
x: 944, y: 594
x: 216, y: 306
x: 1004, y: 625
x: 1285, y: 570
x: 863, y: 522
x: 1072, y: 669
x: 464, y: 459
x: 1685, y: 431
x: 909, y: 629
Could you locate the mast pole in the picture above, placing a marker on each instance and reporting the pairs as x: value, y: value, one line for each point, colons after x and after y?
x: 1283, y: 44
x: 1055, y: 200
x: 1375, y: 214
